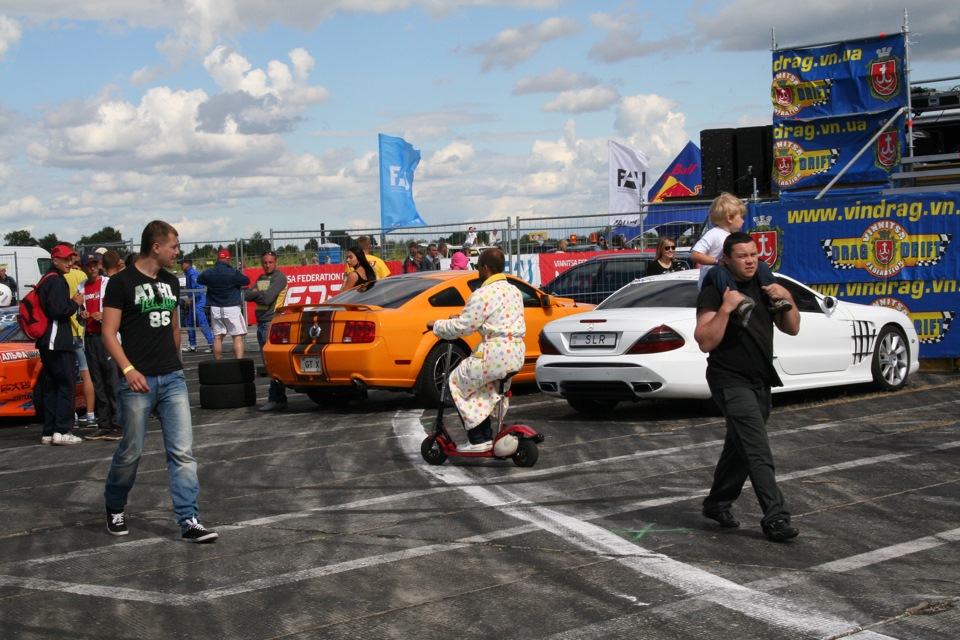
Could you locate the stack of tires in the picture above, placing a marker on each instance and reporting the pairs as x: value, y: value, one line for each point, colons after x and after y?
x: 227, y: 384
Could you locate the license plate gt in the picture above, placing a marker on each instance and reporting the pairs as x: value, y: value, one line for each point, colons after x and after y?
x: 311, y: 364
x: 601, y: 340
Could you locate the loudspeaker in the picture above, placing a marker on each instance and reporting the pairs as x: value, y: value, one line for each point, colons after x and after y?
x: 718, y: 157
x: 754, y: 159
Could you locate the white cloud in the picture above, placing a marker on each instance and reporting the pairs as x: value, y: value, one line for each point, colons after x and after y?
x: 560, y: 79
x: 514, y: 46
x: 651, y: 124
x: 9, y: 34
x: 583, y: 101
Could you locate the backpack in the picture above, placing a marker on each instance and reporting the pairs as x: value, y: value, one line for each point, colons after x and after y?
x: 30, y: 316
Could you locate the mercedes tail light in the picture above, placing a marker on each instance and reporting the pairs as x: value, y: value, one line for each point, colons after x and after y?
x: 657, y: 340
x: 547, y: 348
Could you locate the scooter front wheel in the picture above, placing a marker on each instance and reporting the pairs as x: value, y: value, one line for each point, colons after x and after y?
x: 527, y: 453
x: 432, y: 451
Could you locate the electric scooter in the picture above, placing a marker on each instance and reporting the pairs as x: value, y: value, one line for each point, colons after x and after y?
x: 516, y: 441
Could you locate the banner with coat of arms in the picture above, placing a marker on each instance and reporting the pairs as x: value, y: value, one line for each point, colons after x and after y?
x: 846, y: 77
x: 896, y: 251
x: 810, y: 153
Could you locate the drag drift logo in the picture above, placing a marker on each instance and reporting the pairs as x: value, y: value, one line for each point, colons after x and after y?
x: 792, y: 163
x: 885, y: 248
x: 932, y: 326
x: 769, y: 241
x: 790, y: 95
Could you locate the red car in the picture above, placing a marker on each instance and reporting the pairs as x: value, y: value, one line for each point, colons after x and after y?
x: 21, y: 372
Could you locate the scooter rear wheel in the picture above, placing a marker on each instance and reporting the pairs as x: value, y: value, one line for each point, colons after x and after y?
x: 432, y: 451
x: 527, y: 453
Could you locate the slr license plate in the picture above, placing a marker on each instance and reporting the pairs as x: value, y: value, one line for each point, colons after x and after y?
x: 311, y: 364
x: 593, y: 340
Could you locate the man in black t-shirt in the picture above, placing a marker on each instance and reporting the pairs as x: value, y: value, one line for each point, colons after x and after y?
x: 141, y: 331
x: 740, y: 373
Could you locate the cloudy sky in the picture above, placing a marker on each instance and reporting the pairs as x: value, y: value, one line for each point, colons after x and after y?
x: 227, y: 117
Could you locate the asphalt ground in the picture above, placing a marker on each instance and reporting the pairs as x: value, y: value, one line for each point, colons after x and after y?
x: 332, y: 526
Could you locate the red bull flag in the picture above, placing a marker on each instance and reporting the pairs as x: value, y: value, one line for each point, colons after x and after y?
x: 682, y: 177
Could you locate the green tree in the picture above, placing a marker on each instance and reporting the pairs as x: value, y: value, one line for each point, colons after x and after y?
x: 48, y: 241
x: 311, y: 245
x: 255, y: 247
x: 22, y: 238
x: 107, y: 235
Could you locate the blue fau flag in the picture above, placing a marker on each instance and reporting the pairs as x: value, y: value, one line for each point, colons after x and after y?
x: 398, y: 160
x: 682, y: 177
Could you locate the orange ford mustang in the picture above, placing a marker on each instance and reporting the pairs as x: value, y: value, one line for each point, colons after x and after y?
x: 374, y: 336
x: 21, y: 374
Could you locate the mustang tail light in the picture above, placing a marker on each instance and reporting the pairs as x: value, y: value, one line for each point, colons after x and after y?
x: 355, y: 331
x: 547, y: 348
x: 280, y: 333
x: 657, y: 340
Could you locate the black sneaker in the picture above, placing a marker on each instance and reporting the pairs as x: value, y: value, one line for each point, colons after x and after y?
x: 115, y: 523
x: 723, y: 518
x: 196, y: 532
x: 780, y: 530
x: 99, y: 434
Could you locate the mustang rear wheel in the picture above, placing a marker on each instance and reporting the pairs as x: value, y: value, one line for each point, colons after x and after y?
x: 433, y: 375
x: 891, y: 360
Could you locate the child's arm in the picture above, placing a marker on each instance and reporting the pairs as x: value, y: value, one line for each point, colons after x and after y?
x: 705, y: 259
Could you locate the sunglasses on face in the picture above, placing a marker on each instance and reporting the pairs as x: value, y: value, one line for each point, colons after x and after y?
x: 669, y: 248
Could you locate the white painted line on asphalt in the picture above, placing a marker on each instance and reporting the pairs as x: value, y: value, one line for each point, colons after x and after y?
x: 783, y: 612
x: 410, y: 431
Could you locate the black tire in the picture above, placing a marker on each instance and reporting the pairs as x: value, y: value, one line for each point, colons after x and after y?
x: 228, y: 396
x: 38, y: 397
x: 433, y: 374
x: 527, y: 453
x: 431, y: 451
x: 891, y: 360
x: 329, y: 399
x: 223, y: 372
x: 589, y: 405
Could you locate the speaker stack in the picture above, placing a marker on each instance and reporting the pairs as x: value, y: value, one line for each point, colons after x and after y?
x: 732, y: 158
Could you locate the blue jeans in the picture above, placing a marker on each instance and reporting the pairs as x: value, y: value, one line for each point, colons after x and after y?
x: 193, y: 316
x: 278, y: 392
x: 167, y: 397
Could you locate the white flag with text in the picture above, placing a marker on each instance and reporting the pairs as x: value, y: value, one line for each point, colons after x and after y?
x: 628, y: 174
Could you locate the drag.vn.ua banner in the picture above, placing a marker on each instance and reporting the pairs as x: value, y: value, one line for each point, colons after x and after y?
x: 810, y: 153
x: 895, y: 251
x: 847, y: 77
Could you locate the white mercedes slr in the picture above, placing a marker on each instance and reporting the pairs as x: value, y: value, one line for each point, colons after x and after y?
x: 638, y: 344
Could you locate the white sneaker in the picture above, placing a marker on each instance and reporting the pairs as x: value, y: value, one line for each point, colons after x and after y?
x: 188, y: 349
x: 46, y: 440
x: 481, y: 447
x: 66, y: 438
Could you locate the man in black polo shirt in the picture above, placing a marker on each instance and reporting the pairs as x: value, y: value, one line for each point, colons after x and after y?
x: 740, y: 373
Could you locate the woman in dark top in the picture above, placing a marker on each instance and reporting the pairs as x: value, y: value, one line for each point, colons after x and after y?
x: 664, y: 261
x: 362, y: 271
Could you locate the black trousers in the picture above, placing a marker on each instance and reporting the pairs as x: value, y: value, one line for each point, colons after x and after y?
x: 104, y: 374
x: 746, y: 454
x: 60, y: 368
